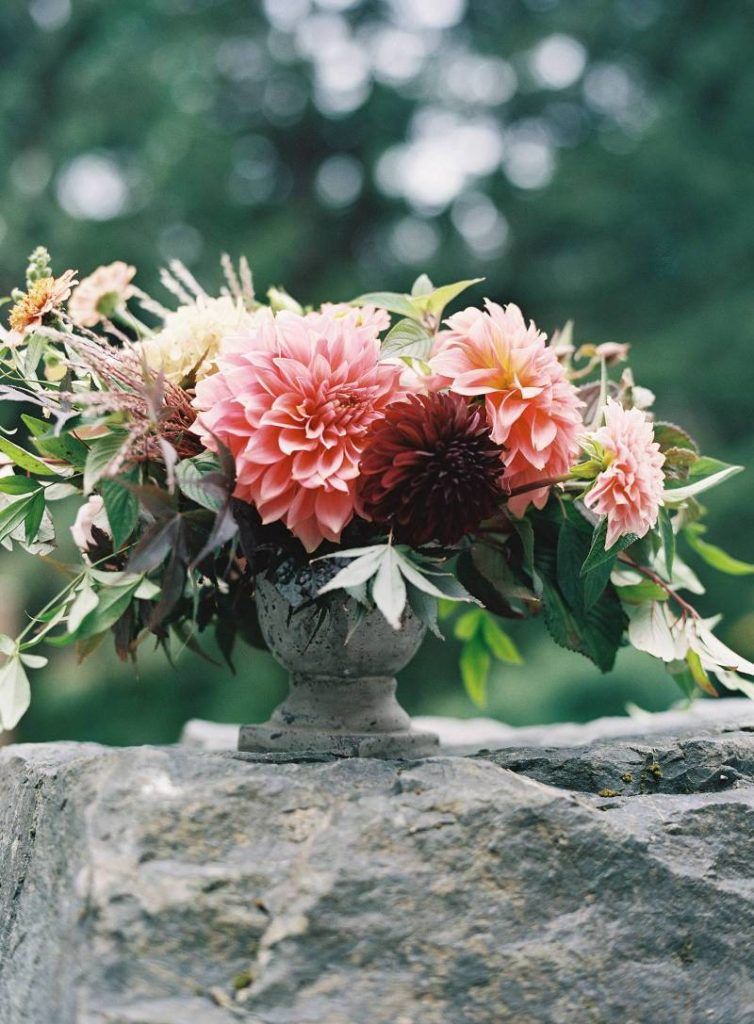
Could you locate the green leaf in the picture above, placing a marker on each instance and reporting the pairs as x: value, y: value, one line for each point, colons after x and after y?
x: 112, y: 603
x: 65, y: 447
x: 154, y: 546
x: 407, y: 338
x: 484, y: 571
x: 715, y: 556
x: 704, y: 474
x: 597, y: 552
x: 424, y: 606
x: 596, y: 631
x: 669, y: 435
x: 435, y: 303
x: 597, y: 635
x: 575, y: 537
x: 18, y: 485
x: 23, y: 459
x: 468, y: 625
x: 638, y: 593
x: 13, y: 515
x: 85, y: 602
x: 422, y: 286
x: 101, y: 455
x: 34, y: 516
x: 525, y: 532
x: 475, y: 669
x: 205, y: 488
x: 668, y: 540
x: 122, y: 508
x: 15, y: 693
x: 394, y: 302
x: 499, y: 643
x: 35, y: 426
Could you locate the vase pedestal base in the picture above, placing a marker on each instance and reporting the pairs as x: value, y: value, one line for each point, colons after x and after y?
x: 273, y: 738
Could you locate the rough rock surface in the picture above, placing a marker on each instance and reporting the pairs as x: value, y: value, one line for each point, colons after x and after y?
x: 175, y: 886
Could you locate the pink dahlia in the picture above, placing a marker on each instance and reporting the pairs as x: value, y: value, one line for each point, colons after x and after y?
x: 293, y: 400
x: 629, y: 490
x: 532, y: 408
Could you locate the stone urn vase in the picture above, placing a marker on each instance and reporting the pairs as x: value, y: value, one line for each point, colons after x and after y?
x: 342, y: 682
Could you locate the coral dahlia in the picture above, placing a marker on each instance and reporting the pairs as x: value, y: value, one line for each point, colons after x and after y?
x: 430, y: 470
x: 629, y: 490
x: 533, y: 409
x: 293, y: 400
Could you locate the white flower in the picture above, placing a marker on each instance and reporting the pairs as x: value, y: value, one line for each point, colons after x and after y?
x: 656, y: 629
x: 92, y: 513
x: 190, y: 338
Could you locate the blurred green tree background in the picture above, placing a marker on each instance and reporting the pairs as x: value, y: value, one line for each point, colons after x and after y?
x: 592, y: 159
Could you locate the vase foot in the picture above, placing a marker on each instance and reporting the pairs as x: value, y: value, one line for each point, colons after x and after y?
x: 270, y: 738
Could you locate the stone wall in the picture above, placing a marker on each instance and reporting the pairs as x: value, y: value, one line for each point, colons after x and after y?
x: 599, y: 883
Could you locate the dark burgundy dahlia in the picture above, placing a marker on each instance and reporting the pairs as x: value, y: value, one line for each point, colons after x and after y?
x: 429, y: 470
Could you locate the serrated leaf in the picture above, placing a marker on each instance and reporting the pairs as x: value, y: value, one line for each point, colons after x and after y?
x: 207, y: 489
x: 669, y: 435
x: 407, y: 339
x: 24, y: 459
x: 394, y: 302
x: 597, y: 635
x: 598, y: 554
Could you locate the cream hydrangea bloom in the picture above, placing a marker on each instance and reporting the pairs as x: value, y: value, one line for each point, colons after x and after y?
x: 190, y: 337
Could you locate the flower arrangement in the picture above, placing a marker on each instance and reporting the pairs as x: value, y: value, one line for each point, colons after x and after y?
x: 371, y: 454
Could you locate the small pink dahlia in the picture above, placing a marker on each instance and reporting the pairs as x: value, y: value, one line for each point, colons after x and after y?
x: 370, y: 321
x: 293, y: 400
x: 629, y: 490
x: 101, y: 293
x: 532, y: 407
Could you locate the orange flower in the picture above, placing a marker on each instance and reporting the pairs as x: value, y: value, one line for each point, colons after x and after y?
x: 43, y: 297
